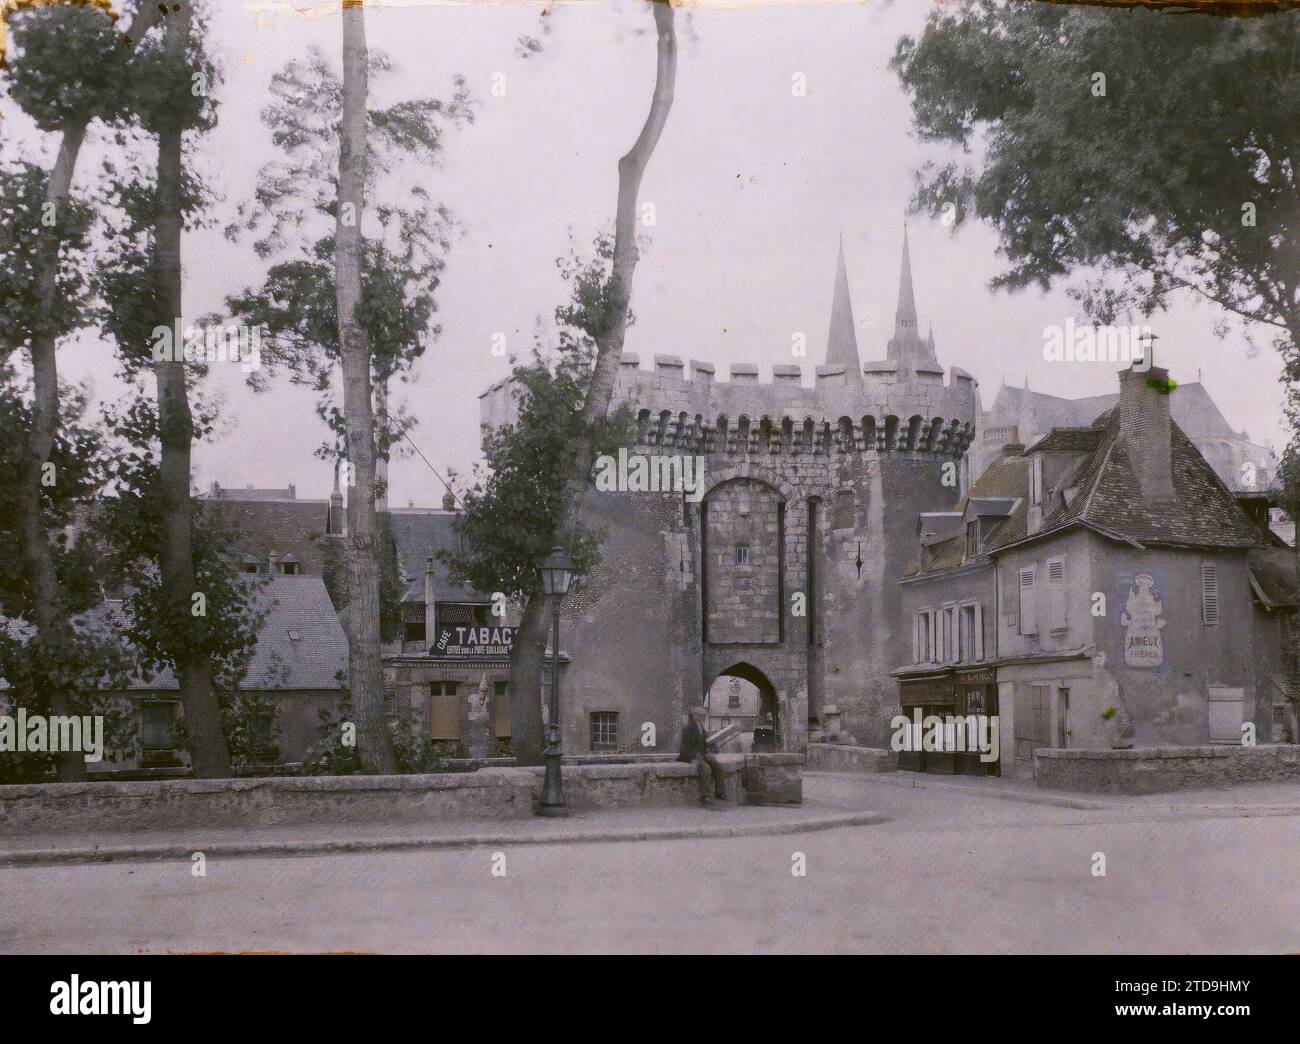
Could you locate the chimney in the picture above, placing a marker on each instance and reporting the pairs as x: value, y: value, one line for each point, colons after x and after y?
x: 448, y: 501
x: 1013, y: 447
x: 1144, y: 426
x: 430, y: 609
x: 293, y: 493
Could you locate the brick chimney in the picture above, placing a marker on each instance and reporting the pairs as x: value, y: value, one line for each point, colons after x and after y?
x: 430, y: 609
x: 1144, y: 426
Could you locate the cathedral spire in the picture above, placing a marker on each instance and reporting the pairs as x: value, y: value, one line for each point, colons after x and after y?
x: 842, y: 342
x: 905, y: 317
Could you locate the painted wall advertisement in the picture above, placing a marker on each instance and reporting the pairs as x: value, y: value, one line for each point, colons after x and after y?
x: 1142, y: 619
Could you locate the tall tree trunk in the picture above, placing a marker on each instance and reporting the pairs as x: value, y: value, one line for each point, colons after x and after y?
x: 365, y: 668
x: 53, y: 641
x: 530, y: 642
x: 209, y: 755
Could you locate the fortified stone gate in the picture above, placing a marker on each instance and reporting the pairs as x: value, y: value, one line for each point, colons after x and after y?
x: 785, y: 571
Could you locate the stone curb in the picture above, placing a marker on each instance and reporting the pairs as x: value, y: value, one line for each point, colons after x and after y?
x: 138, y: 853
x: 1105, y: 804
x: 1027, y: 798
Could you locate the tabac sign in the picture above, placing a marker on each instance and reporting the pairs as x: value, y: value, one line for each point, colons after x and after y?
x: 468, y: 642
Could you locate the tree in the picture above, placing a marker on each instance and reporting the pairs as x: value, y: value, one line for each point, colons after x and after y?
x: 71, y: 70
x: 362, y: 303
x: 515, y: 511
x: 604, y: 317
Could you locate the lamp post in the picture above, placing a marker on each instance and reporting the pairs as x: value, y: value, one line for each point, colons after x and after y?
x: 557, y: 575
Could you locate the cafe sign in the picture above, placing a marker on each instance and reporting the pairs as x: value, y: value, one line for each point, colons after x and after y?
x: 473, y: 643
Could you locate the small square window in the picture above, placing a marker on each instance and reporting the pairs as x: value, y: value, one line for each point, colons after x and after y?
x: 604, y: 730
x: 742, y: 554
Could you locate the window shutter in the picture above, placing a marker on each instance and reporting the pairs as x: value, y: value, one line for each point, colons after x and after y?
x: 979, y: 631
x: 1209, y: 594
x: 916, y: 638
x: 1056, y: 592
x: 1028, y: 606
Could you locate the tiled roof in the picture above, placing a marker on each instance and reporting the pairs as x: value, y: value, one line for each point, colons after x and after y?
x: 419, y: 536
x: 1068, y: 440
x: 1107, y: 496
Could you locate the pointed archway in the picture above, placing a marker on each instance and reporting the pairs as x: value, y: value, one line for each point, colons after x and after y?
x: 767, y: 724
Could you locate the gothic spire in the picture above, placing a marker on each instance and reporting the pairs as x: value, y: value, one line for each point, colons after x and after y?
x: 905, y: 317
x: 842, y: 342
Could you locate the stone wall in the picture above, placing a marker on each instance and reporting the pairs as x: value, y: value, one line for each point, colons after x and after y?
x: 832, y: 757
x: 490, y: 793
x: 1152, y: 770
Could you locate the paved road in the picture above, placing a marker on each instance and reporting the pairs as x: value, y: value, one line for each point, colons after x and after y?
x: 949, y: 872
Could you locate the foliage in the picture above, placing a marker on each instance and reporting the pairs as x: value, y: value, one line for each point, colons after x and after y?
x: 514, y: 512
x: 1148, y: 181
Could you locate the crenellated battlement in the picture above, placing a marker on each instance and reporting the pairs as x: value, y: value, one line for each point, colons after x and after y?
x: 699, y: 414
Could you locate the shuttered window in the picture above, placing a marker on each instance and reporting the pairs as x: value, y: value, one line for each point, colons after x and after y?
x: 1056, y: 593
x: 1028, y: 602
x: 444, y: 711
x: 1209, y: 594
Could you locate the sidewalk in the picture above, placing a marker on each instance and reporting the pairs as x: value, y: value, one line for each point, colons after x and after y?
x: 648, y: 824
x: 1246, y: 799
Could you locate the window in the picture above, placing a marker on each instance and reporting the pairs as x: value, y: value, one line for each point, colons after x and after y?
x: 1225, y: 713
x: 444, y: 711
x: 604, y: 730
x: 949, y: 644
x: 288, y: 568
x: 1209, y: 594
x: 294, y: 636
x: 261, y: 728
x: 1028, y: 602
x: 413, y: 631
x: 733, y: 693
x: 158, y: 725
x: 1036, y: 480
x: 1056, y: 593
x: 971, y: 634
x: 925, y: 647
x: 973, y: 538
x: 742, y: 554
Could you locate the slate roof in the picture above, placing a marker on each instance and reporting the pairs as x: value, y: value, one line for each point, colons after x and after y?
x: 1069, y: 440
x: 418, y: 536
x: 291, y: 603
x: 1191, y: 407
x: 1107, y: 497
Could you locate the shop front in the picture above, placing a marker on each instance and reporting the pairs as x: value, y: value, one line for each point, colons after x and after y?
x: 934, y: 693
x: 966, y: 703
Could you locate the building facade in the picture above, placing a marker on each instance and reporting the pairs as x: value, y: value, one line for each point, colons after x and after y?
x: 777, y: 566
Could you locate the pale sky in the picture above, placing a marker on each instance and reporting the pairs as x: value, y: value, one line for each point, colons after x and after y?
x: 751, y: 185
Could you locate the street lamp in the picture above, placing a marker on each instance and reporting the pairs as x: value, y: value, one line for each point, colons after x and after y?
x: 557, y: 575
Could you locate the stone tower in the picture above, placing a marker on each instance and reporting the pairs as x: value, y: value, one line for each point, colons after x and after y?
x: 783, y: 569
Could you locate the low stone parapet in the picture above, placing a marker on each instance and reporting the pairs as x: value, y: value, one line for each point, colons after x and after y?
x: 492, y: 793
x: 1152, y: 770
x: 834, y: 757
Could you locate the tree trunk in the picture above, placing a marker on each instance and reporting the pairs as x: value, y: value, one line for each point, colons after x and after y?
x: 209, y: 755
x: 53, y: 641
x: 365, y: 669
x: 530, y: 642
